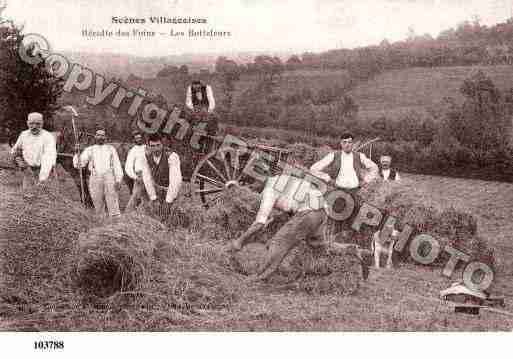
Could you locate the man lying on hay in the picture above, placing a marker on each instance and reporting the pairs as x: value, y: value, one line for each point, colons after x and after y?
x: 308, y: 222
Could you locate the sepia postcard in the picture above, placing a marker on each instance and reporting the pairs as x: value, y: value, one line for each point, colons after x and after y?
x: 325, y: 169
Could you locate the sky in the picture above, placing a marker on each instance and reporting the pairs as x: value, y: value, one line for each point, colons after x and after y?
x: 255, y: 25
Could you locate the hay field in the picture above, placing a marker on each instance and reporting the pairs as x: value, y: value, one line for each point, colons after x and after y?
x: 398, y: 91
x: 401, y: 299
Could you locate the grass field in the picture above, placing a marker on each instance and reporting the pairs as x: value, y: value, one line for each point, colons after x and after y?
x: 399, y: 299
x: 400, y: 91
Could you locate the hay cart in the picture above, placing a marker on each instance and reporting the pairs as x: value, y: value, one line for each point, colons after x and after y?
x: 225, y: 166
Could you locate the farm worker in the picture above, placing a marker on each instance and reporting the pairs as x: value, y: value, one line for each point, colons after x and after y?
x: 346, y: 168
x: 106, y: 173
x: 132, y: 179
x: 307, y: 222
x: 199, y: 97
x: 35, y: 152
x: 385, y: 171
x: 200, y: 100
x: 158, y: 173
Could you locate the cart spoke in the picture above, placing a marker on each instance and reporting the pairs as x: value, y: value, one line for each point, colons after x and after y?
x: 227, y: 166
x: 211, y: 180
x: 207, y: 191
x: 235, y: 164
x: 216, y: 170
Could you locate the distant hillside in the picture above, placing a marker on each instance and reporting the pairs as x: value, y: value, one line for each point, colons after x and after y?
x: 173, y: 89
x: 122, y: 65
x: 399, y: 91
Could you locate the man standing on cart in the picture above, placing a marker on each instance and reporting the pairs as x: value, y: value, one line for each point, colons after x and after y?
x: 201, y: 103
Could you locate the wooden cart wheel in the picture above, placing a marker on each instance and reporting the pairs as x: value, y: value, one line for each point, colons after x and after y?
x: 214, y: 173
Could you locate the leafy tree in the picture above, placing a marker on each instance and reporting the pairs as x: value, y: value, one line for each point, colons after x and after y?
x: 481, y: 123
x: 24, y: 87
x: 229, y: 72
x: 293, y: 63
x: 169, y: 70
x: 268, y: 66
x: 184, y: 70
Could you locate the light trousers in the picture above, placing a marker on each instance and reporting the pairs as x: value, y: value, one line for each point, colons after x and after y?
x: 138, y: 191
x: 103, y: 193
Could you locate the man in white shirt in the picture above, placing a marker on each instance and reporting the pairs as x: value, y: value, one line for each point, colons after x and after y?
x: 134, y: 180
x: 386, y: 172
x: 35, y: 151
x: 158, y: 173
x: 106, y: 174
x: 307, y: 206
x: 346, y: 169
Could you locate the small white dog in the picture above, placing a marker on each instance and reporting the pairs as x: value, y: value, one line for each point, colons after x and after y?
x: 384, y: 244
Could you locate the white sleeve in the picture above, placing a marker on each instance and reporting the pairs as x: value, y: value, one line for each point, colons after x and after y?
x: 85, y: 156
x: 175, y: 178
x: 188, y: 98
x: 147, y: 178
x: 268, y: 198
x: 369, y: 165
x: 18, y: 145
x: 211, y: 100
x: 317, y: 168
x: 48, y: 157
x: 118, y: 169
x: 130, y: 162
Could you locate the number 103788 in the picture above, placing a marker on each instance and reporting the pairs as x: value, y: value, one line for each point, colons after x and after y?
x: 48, y: 345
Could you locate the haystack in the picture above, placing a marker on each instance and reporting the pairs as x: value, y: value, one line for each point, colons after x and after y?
x: 117, y: 256
x: 448, y: 225
x: 39, y: 235
x: 136, y: 261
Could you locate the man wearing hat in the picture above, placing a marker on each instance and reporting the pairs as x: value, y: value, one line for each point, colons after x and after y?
x: 134, y: 177
x: 346, y: 169
x: 385, y: 171
x: 106, y: 173
x: 35, y: 151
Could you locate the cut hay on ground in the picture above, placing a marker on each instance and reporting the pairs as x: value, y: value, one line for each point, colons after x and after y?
x: 135, y: 261
x: 308, y: 269
x: 38, y: 244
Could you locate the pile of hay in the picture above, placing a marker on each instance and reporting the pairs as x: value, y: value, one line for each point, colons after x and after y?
x: 183, y: 213
x: 135, y: 261
x: 446, y: 224
x: 312, y: 270
x: 232, y: 214
x: 39, y: 236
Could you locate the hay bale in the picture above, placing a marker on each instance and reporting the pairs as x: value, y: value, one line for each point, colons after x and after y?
x: 134, y: 261
x: 39, y: 236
